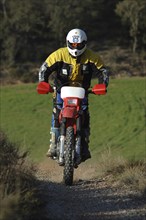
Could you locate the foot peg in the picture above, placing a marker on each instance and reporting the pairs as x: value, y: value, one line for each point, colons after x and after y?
x: 61, y: 161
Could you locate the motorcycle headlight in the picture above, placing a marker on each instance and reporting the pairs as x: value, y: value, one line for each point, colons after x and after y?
x: 72, y: 101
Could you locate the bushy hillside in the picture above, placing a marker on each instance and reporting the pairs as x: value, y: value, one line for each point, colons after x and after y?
x: 19, y: 198
x: 117, y: 119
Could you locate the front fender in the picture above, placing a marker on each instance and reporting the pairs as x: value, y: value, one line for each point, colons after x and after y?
x: 69, y: 112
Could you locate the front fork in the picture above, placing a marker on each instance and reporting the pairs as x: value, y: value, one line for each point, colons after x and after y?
x: 78, y: 137
x: 62, y: 142
x: 62, y: 139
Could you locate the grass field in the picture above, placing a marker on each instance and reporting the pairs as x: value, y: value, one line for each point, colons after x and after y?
x: 117, y: 119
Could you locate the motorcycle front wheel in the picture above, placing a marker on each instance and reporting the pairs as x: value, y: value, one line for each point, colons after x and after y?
x: 69, y: 157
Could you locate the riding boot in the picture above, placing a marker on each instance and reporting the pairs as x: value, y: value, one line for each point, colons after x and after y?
x: 53, y: 142
x: 85, y: 145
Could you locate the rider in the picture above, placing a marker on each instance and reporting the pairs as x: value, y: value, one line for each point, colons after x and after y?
x: 72, y: 64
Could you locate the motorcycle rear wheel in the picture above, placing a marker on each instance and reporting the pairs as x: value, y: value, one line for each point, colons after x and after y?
x: 69, y: 157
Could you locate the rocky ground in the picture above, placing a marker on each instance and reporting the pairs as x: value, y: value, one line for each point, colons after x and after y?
x: 88, y: 198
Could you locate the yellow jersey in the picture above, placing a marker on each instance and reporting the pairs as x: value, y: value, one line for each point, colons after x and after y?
x: 72, y: 70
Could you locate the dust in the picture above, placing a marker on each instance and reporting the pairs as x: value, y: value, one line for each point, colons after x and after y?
x: 54, y: 172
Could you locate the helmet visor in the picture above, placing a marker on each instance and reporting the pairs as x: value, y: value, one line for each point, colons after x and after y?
x: 78, y: 46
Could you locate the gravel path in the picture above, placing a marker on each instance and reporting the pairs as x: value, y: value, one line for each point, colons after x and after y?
x: 89, y: 198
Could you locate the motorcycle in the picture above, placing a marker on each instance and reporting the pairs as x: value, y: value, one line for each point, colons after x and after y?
x: 69, y: 147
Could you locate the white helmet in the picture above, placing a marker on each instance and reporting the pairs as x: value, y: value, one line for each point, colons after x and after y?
x: 76, y: 42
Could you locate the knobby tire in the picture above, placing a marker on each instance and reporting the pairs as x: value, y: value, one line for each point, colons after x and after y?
x: 69, y: 164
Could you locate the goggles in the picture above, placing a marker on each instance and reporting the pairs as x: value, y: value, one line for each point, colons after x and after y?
x: 78, y: 46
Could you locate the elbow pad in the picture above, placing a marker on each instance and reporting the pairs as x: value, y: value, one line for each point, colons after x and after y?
x: 105, y: 76
x: 42, y: 72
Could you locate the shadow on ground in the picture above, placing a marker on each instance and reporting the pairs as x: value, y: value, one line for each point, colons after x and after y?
x: 91, y: 200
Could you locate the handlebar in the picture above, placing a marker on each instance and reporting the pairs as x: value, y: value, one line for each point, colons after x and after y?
x: 45, y: 88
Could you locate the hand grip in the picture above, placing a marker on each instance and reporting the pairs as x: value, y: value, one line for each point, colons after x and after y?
x: 99, y: 89
x: 44, y: 88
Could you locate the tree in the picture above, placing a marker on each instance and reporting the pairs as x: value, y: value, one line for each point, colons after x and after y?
x: 65, y: 17
x: 23, y: 30
x: 132, y: 14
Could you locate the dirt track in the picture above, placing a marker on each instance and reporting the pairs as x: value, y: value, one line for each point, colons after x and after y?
x: 89, y: 198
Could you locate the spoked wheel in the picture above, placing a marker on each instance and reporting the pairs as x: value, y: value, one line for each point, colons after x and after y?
x: 69, y: 157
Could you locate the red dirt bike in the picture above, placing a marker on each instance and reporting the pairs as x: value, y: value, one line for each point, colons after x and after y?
x: 69, y: 141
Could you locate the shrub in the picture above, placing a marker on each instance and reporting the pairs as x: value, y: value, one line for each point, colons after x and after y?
x: 135, y: 177
x: 18, y: 185
x: 131, y: 174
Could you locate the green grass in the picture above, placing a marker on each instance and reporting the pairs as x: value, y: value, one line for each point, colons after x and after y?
x: 25, y: 117
x: 117, y: 119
